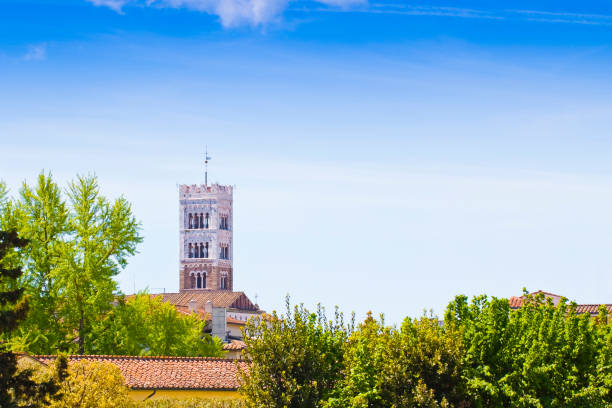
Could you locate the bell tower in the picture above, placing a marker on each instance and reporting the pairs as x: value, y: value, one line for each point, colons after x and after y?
x: 205, y: 237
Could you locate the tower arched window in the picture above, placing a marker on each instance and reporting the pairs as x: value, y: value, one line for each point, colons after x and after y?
x: 206, y: 250
x: 201, y: 220
x: 199, y: 281
x: 190, y: 225
x: 224, y: 252
x: 190, y: 251
x: 206, y: 219
x: 223, y: 284
x: 204, y: 280
x: 202, y: 250
x: 193, y: 282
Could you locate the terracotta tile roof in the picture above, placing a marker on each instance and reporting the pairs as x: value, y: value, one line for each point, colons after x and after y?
x: 182, y: 373
x: 592, y: 309
x: 185, y: 310
x: 219, y: 298
x: 516, y: 302
x: 235, y: 345
x: 232, y: 320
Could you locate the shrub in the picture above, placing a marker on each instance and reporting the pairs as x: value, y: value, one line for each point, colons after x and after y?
x: 192, y: 403
x: 93, y: 385
x: 296, y: 359
x: 418, y: 365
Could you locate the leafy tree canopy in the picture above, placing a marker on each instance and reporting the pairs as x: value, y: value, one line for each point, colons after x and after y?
x: 145, y: 325
x: 539, y: 355
x: 484, y: 354
x: 78, y: 244
x: 296, y: 358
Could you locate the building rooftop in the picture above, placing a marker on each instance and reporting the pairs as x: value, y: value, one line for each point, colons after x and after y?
x: 593, y: 309
x: 219, y: 298
x: 235, y: 345
x: 169, y: 373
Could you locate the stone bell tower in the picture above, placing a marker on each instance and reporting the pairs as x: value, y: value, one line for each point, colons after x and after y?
x: 205, y: 237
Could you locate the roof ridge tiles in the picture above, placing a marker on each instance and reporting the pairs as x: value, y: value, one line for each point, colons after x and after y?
x: 594, y: 304
x: 168, y: 372
x: 116, y: 356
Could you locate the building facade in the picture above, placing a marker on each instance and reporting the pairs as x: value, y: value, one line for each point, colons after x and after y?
x: 205, y: 237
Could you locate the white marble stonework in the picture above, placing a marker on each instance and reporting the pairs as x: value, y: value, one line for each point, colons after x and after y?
x: 216, y: 201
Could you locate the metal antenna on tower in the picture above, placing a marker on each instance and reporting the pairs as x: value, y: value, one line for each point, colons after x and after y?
x: 206, y: 159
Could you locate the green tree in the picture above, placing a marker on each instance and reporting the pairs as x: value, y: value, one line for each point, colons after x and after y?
x: 363, y: 362
x: 145, y: 325
x: 539, y: 355
x: 91, y: 384
x: 104, y: 235
x: 42, y: 217
x: 296, y: 360
x: 17, y: 388
x: 77, y: 247
x: 418, y: 365
x: 423, y: 367
x: 3, y: 192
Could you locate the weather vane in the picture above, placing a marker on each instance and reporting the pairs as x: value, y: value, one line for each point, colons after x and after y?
x: 206, y: 159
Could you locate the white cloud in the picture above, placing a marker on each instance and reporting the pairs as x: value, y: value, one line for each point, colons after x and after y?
x: 112, y: 4
x: 233, y: 13
x: 36, y: 52
x: 568, y: 18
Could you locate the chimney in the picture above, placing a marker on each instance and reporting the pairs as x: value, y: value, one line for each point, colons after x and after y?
x: 208, y: 307
x: 193, y: 306
x: 219, y: 327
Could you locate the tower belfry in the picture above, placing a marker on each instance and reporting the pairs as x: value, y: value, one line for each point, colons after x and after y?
x: 205, y: 235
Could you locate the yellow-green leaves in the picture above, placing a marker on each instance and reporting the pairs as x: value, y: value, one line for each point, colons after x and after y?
x: 79, y: 241
x: 296, y: 358
x: 93, y: 384
x: 145, y: 325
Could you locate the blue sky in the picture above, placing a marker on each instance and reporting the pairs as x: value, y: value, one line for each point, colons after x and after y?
x: 386, y: 155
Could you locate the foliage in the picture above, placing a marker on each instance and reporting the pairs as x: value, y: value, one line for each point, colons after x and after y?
x: 3, y: 192
x: 145, y: 325
x: 192, y: 403
x: 93, y: 384
x: 77, y: 247
x: 78, y: 244
x: 537, y: 356
x: 296, y: 358
x: 17, y: 388
x: 42, y: 217
x: 416, y: 366
x: 424, y: 366
x: 104, y: 235
x: 485, y: 355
